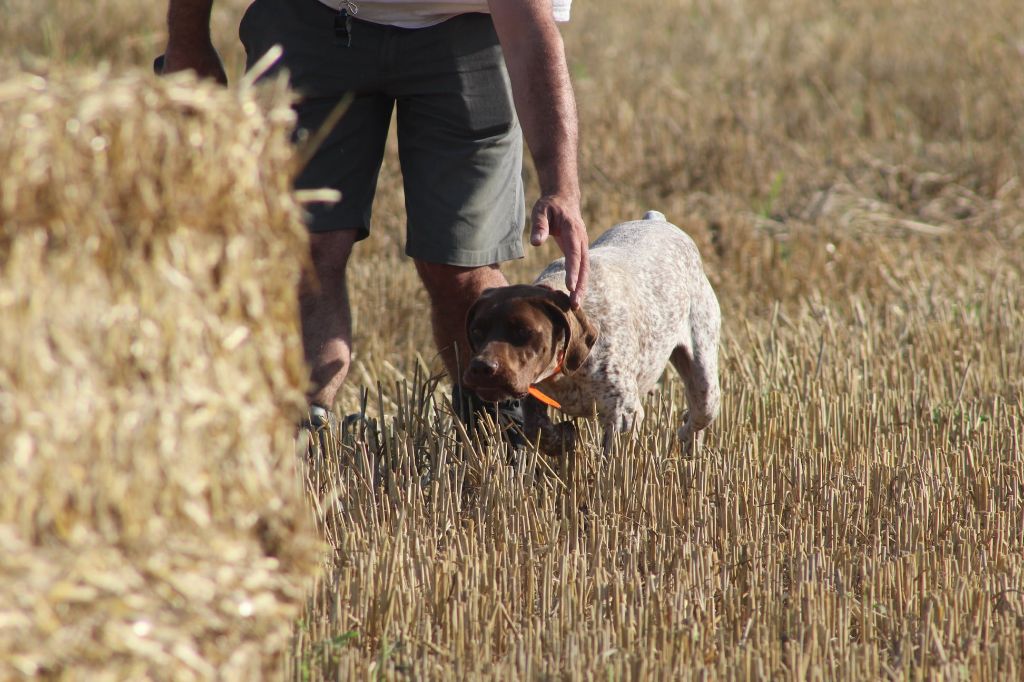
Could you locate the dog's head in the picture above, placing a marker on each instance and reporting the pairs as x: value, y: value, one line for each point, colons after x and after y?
x: 518, y: 335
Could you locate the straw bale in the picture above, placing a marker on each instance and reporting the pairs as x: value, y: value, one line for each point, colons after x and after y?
x: 152, y: 523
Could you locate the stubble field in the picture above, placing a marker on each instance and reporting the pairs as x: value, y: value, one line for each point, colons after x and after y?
x: 852, y: 172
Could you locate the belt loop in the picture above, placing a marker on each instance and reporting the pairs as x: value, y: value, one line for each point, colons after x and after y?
x: 343, y: 26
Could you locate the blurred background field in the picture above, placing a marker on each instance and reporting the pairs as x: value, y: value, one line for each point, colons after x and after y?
x: 853, y: 174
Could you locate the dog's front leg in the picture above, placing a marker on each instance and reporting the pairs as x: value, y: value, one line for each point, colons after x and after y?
x: 551, y: 439
x: 622, y: 419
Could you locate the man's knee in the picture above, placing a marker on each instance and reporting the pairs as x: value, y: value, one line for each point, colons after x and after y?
x: 329, y: 254
x: 442, y: 280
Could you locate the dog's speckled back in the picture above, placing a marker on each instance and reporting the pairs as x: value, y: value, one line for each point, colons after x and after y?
x: 649, y: 296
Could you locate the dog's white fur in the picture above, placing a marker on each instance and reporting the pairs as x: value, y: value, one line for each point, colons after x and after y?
x: 653, y: 304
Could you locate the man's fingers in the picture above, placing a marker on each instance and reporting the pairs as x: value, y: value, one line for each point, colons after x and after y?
x: 575, y: 295
x: 576, y: 272
x: 572, y: 269
x: 540, y: 229
x: 582, y: 277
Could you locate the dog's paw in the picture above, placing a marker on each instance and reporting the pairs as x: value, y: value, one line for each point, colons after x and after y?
x: 559, y: 439
x: 689, y: 440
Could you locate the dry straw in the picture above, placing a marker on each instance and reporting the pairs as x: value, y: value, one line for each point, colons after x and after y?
x: 151, y: 521
x: 852, y: 172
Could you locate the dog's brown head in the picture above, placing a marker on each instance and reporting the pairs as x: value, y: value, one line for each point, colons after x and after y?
x: 518, y: 334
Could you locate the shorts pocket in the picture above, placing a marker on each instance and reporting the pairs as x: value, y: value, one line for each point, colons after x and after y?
x: 485, y: 92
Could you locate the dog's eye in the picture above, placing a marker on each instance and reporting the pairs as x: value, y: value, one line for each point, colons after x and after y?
x: 521, y: 335
x: 476, y: 334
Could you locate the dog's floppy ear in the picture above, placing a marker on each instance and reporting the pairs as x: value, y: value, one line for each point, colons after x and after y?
x: 580, y: 332
x: 474, y: 310
x: 582, y: 337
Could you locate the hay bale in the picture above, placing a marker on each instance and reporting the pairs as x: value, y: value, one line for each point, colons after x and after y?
x: 152, y: 523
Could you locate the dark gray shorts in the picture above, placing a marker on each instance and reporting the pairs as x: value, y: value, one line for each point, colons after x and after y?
x: 459, y: 140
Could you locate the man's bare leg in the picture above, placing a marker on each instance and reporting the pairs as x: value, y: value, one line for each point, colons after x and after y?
x: 325, y: 315
x: 452, y: 290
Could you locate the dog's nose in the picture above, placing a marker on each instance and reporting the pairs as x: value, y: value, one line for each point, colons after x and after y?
x: 482, y: 368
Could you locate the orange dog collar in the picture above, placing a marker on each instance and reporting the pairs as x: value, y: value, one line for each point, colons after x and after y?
x: 540, y: 395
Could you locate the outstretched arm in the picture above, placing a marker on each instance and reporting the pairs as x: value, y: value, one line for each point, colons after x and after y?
x: 535, y: 57
x: 188, y: 40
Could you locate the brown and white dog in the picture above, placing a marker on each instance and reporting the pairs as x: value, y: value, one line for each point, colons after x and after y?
x: 649, y: 303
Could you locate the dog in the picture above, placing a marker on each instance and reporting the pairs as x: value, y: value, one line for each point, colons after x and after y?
x: 649, y: 302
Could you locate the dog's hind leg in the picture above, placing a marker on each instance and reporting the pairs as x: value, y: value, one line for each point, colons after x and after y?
x: 699, y: 371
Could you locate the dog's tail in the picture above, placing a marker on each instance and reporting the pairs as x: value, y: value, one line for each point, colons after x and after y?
x: 654, y: 215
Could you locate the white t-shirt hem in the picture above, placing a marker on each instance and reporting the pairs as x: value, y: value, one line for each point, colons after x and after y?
x: 424, y: 13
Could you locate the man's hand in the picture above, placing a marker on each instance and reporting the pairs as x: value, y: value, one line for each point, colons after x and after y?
x: 560, y: 217
x: 188, y: 40
x: 203, y: 59
x: 535, y: 58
